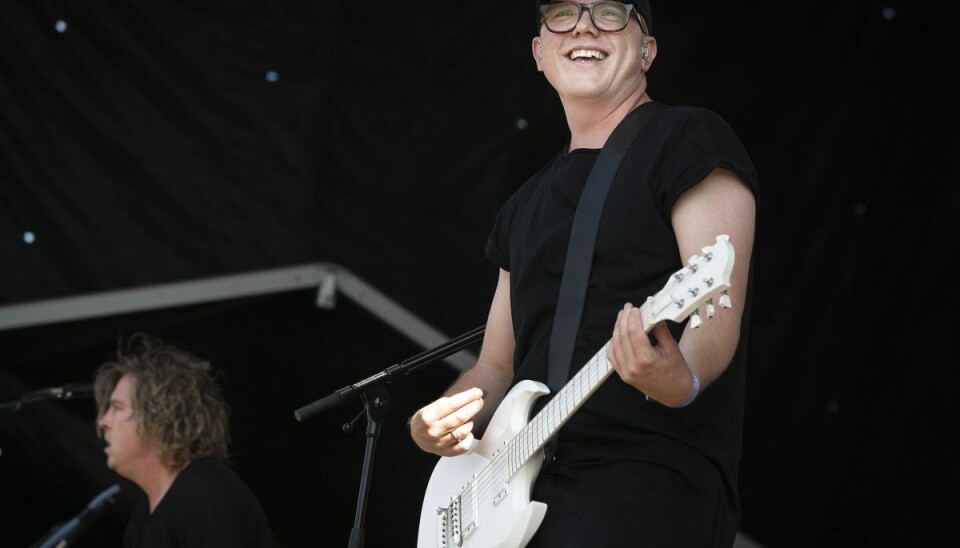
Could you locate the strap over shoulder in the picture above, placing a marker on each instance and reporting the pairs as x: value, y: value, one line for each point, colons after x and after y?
x: 576, y: 268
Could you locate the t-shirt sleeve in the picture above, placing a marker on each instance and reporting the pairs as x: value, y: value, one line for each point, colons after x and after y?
x: 699, y: 142
x: 505, y: 223
x: 497, y: 250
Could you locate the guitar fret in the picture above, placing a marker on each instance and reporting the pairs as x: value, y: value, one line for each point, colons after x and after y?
x: 528, y: 450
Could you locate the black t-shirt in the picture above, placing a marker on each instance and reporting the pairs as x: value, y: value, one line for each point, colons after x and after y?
x: 207, y: 506
x: 636, y: 251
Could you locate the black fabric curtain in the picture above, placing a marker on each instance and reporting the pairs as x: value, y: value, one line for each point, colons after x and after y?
x: 153, y: 142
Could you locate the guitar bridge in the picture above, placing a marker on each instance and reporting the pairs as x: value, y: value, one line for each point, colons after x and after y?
x: 449, y: 525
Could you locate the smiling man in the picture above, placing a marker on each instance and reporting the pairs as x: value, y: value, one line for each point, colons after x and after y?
x: 651, y: 459
x: 164, y: 421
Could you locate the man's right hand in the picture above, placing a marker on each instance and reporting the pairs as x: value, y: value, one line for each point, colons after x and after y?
x: 445, y: 427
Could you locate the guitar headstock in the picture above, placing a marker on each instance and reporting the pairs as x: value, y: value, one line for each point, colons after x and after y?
x: 702, y: 283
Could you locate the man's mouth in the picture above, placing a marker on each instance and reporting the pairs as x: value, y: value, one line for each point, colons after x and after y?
x: 587, y: 55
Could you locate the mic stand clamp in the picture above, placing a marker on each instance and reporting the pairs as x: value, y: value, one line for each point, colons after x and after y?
x: 376, y: 401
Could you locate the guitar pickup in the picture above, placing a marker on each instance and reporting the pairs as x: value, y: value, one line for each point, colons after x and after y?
x: 502, y: 494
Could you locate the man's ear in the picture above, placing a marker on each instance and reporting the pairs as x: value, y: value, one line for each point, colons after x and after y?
x: 537, y: 48
x: 649, y: 52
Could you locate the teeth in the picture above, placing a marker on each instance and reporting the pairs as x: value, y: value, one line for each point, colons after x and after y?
x: 586, y: 53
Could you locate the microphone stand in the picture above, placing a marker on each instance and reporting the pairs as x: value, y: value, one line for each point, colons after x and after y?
x: 376, y: 401
x: 75, y: 528
x: 65, y: 392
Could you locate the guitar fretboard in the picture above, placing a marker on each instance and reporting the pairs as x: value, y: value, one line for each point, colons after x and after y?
x: 559, y: 409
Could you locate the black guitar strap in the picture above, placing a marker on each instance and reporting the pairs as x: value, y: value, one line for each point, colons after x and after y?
x: 583, y: 235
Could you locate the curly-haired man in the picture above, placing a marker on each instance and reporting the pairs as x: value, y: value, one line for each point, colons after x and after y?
x: 164, y: 419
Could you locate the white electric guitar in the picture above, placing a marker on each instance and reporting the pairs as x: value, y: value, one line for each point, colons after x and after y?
x: 481, y: 499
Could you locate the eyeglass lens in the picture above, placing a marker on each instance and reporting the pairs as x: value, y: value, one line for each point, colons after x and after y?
x: 606, y: 16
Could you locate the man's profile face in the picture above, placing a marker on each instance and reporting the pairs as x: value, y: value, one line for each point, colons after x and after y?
x: 125, y: 449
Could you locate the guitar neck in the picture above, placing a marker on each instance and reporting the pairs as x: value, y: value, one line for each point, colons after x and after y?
x: 705, y: 275
x: 564, y: 404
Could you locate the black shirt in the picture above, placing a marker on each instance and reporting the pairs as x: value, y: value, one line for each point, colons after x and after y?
x: 636, y: 251
x: 207, y: 506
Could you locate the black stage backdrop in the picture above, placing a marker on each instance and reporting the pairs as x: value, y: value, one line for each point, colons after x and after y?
x: 157, y: 142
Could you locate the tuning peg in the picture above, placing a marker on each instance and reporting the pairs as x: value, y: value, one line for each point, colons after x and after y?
x: 711, y: 310
x: 695, y: 319
x: 725, y: 300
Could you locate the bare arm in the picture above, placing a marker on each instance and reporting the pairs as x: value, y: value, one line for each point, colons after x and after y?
x: 446, y: 427
x: 720, y: 204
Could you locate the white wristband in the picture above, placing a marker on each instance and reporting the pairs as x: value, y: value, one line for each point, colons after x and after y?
x: 694, y: 392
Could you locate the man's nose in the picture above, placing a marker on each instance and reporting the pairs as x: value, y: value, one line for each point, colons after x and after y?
x: 585, y: 24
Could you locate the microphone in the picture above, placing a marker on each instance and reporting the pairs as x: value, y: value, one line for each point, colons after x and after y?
x: 75, y: 528
x: 64, y: 392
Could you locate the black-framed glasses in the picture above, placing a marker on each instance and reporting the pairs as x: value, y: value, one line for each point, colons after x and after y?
x: 561, y: 17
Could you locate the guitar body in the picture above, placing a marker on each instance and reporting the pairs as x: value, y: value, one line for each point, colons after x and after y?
x: 496, y: 510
